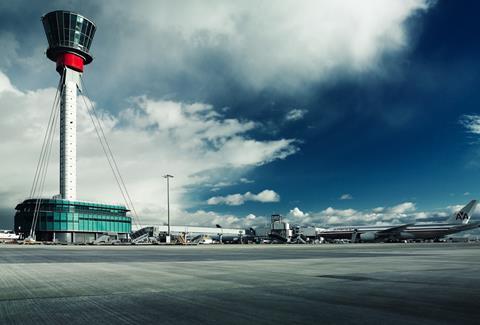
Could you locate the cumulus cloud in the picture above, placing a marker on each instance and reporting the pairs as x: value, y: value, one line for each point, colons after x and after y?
x: 297, y: 213
x: 255, y: 44
x: 226, y: 183
x: 6, y: 86
x: 10, y: 49
x: 471, y: 123
x: 239, y: 199
x: 454, y: 208
x: 205, y: 218
x: 346, y: 197
x: 149, y: 139
x: 405, y: 212
x: 403, y: 208
x: 198, y: 217
x: 295, y: 114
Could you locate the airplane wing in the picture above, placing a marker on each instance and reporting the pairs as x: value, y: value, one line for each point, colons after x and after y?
x: 395, y: 229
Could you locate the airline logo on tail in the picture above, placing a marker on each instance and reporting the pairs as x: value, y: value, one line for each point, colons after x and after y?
x: 461, y: 215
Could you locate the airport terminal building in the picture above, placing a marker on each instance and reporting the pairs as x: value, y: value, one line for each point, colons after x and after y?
x: 71, y: 221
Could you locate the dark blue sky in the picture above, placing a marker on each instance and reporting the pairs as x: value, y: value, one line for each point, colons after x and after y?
x: 385, y: 134
x: 386, y: 139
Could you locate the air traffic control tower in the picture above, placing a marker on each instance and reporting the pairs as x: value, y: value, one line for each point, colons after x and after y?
x: 63, y: 217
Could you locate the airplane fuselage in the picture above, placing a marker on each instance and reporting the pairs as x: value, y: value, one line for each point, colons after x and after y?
x: 417, y: 231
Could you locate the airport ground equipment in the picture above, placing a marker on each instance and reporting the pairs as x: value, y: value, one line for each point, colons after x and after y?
x: 107, y: 238
x: 145, y: 235
x: 203, y: 240
x: 182, y: 239
x: 305, y: 235
x: 277, y: 231
x: 280, y: 230
x: 186, y: 234
x: 299, y: 239
x: 64, y: 217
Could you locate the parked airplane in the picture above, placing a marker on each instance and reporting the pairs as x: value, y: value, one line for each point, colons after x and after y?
x: 8, y: 235
x: 458, y: 222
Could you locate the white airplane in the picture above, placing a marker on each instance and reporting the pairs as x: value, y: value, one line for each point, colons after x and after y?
x: 8, y: 235
x: 458, y: 222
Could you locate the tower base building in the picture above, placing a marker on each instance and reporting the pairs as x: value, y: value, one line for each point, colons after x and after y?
x: 72, y: 221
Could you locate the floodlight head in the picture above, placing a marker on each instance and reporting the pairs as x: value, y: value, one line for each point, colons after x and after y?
x: 69, y: 38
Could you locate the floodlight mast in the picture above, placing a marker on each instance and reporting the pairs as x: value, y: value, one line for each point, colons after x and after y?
x: 69, y: 38
x: 167, y: 176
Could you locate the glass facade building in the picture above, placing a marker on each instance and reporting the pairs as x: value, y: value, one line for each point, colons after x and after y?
x: 72, y: 221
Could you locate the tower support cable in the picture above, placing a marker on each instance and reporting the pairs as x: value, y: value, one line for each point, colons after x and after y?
x: 47, y: 132
x: 42, y: 168
x: 110, y: 163
x: 108, y: 152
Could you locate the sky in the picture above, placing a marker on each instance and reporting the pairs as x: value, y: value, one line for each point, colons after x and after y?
x: 327, y: 112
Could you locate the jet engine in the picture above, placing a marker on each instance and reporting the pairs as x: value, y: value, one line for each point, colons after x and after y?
x: 368, y: 236
x: 406, y: 235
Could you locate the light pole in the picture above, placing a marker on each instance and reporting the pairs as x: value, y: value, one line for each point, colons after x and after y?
x: 167, y: 176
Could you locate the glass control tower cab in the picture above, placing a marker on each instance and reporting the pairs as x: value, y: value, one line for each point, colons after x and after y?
x: 69, y: 38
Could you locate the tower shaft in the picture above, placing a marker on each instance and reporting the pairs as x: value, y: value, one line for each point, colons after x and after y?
x: 68, y: 135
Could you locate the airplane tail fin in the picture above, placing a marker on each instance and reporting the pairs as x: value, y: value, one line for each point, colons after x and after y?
x: 463, y: 216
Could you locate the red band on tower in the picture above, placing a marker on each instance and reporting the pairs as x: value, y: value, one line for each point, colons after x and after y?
x: 70, y: 60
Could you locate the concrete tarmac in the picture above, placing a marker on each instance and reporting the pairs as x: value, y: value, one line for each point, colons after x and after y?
x: 233, y: 284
